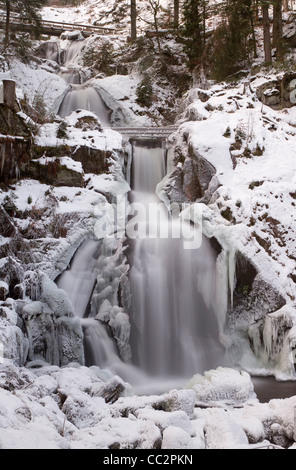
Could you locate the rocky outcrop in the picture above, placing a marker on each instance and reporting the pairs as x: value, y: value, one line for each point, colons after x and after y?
x: 93, y: 160
x: 15, y: 144
x: 191, y: 178
x: 54, y: 173
x: 278, y: 94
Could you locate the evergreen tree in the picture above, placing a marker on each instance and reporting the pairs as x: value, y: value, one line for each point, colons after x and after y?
x: 133, y: 20
x: 277, y: 36
x: 194, y: 30
x: 29, y: 9
x: 239, y: 15
x: 265, y: 4
x: 234, y: 40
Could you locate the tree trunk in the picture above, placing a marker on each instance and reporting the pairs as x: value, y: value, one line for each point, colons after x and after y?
x: 277, y: 37
x: 133, y: 20
x: 7, y: 24
x: 157, y: 30
x: 176, y: 14
x: 253, y: 34
x: 286, y: 5
x: 266, y: 33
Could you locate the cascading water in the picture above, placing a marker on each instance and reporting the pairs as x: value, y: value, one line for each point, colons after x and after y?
x: 174, y: 331
x: 82, y: 97
x: 79, y: 282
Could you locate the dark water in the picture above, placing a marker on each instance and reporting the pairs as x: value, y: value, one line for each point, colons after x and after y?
x: 267, y: 388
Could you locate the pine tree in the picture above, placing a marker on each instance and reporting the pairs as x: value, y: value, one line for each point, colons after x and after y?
x: 277, y: 36
x: 234, y: 40
x: 194, y: 30
x: 29, y: 9
x: 266, y: 31
x: 239, y: 15
x: 133, y: 20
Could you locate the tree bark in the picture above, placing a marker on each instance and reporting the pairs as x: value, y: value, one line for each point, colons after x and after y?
x: 176, y: 13
x: 7, y: 24
x: 133, y: 20
x: 266, y: 34
x: 277, y: 37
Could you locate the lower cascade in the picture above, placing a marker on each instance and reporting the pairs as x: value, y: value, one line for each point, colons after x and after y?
x: 174, y: 329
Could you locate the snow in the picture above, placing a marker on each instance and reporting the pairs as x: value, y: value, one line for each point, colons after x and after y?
x: 106, y: 140
x: 82, y: 419
x: 45, y: 406
x: 222, y: 384
x: 176, y: 438
x: 119, y: 94
x: 34, y: 83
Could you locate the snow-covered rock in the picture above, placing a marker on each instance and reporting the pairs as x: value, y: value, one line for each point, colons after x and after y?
x: 223, y: 384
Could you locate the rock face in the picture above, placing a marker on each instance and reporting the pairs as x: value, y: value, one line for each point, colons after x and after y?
x: 190, y: 178
x: 15, y: 144
x: 93, y: 160
x: 54, y: 173
x: 278, y: 93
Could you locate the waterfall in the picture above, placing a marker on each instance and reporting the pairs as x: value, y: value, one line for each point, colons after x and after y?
x: 174, y: 327
x: 174, y: 331
x: 79, y: 280
x: 80, y: 95
x: 83, y: 97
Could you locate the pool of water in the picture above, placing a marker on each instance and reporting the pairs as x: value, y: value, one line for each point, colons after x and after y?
x: 267, y: 388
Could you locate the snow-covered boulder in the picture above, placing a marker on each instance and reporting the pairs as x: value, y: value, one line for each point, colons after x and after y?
x: 223, y: 384
x: 180, y: 400
x: 176, y: 438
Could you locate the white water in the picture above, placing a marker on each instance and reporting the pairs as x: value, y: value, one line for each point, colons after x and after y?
x: 83, y: 97
x: 79, y: 280
x: 80, y: 96
x: 174, y: 332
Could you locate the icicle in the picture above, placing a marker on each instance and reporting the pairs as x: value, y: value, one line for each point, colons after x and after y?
x: 231, y: 273
x: 221, y: 289
x: 17, y: 172
x: 2, y: 147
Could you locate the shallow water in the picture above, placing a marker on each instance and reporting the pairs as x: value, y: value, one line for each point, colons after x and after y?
x: 268, y: 388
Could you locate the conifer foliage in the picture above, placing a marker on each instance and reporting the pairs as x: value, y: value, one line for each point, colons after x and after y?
x: 194, y: 15
x: 232, y: 44
x: 27, y: 8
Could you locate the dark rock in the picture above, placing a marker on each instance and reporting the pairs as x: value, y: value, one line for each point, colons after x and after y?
x: 278, y: 93
x: 93, y: 160
x: 112, y: 390
x: 190, y: 182
x: 12, y: 123
x: 7, y: 228
x: 253, y: 299
x: 3, y: 296
x: 54, y: 173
